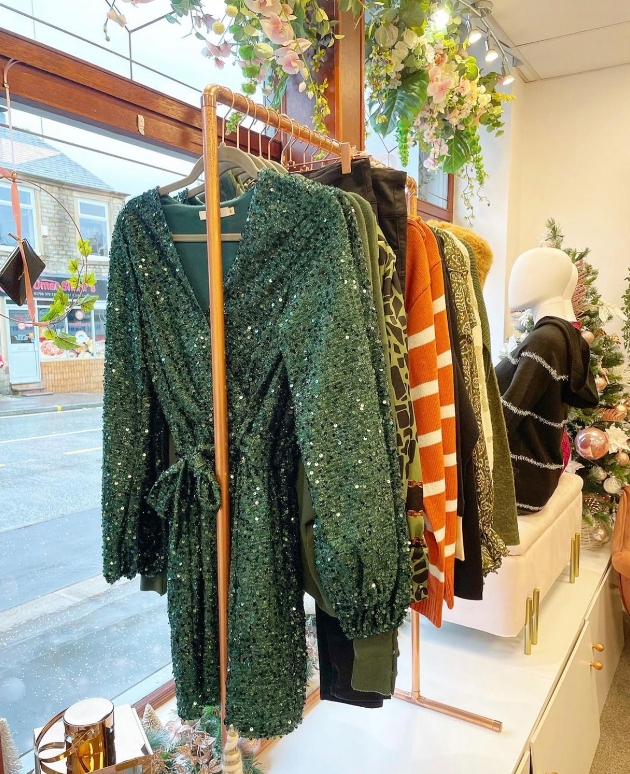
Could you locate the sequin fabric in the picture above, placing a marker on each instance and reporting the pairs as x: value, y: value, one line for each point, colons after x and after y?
x: 306, y: 377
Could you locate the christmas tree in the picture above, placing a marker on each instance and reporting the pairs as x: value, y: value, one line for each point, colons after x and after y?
x: 9, y: 756
x: 599, y: 437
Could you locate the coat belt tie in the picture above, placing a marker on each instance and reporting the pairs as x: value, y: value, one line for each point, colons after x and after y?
x: 190, y: 478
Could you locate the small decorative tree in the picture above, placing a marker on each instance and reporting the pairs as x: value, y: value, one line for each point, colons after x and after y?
x: 599, y: 436
x: 9, y: 755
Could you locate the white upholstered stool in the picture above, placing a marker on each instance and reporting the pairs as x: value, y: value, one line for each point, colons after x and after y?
x: 548, y: 543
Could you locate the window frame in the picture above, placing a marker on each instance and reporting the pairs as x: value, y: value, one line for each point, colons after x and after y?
x: 79, y: 200
x: 32, y: 207
x: 430, y: 211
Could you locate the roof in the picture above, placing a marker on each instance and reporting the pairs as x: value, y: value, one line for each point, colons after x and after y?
x: 33, y: 156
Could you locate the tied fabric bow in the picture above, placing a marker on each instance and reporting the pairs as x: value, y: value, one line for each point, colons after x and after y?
x: 190, y: 478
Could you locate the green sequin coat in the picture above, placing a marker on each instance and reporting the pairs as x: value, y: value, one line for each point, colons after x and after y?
x: 306, y: 379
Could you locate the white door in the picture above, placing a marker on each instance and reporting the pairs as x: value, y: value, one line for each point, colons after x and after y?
x: 23, y: 354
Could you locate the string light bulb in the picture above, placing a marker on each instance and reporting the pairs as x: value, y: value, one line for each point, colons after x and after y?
x: 508, y: 75
x: 440, y: 17
x: 475, y: 34
x: 491, y: 53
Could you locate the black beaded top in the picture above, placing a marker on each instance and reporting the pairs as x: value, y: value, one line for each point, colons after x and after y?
x: 306, y: 378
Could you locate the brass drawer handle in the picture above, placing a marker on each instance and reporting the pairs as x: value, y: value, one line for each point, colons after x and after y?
x: 599, y: 647
x: 597, y: 665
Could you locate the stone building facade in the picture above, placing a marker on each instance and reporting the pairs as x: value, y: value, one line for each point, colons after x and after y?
x: 54, y: 191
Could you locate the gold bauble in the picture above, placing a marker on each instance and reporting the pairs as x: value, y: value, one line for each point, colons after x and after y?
x: 588, y: 336
x: 622, y: 458
x: 600, y: 383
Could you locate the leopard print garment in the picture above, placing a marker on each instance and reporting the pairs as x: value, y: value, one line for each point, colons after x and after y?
x: 493, y: 549
x: 406, y: 433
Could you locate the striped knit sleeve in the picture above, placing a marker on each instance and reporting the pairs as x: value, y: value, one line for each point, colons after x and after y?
x: 447, y: 406
x: 425, y: 393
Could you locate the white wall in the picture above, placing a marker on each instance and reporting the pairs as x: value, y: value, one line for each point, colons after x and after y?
x: 494, y: 214
x: 575, y: 167
x: 565, y: 154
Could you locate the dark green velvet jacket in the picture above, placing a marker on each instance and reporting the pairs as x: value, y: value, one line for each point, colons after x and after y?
x: 306, y: 379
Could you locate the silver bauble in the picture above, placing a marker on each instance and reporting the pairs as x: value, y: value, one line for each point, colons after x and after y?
x: 598, y: 474
x: 601, y: 532
x: 613, y: 485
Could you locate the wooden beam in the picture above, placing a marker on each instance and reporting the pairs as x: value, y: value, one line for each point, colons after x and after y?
x: 48, y: 79
x: 349, y: 72
x: 344, y: 68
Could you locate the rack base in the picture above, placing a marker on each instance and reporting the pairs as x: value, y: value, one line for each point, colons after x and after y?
x: 446, y: 709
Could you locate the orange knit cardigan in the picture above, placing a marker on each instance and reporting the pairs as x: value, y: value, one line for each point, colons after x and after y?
x: 432, y: 392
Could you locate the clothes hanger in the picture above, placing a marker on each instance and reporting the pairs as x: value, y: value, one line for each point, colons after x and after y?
x: 269, y: 161
x: 288, y: 148
x: 177, y: 185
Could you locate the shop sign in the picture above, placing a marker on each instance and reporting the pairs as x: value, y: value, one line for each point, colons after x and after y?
x: 45, y: 287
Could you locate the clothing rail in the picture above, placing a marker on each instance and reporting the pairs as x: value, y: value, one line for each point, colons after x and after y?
x: 415, y: 696
x: 213, y: 96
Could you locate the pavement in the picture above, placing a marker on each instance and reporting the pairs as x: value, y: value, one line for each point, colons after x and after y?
x: 65, y: 633
x: 17, y: 405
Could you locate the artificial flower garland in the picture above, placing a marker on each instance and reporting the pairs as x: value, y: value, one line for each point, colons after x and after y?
x: 423, y: 85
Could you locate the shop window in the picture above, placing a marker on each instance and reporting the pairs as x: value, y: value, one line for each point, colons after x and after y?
x: 94, y: 225
x: 99, y: 329
x: 64, y: 632
x: 7, y: 222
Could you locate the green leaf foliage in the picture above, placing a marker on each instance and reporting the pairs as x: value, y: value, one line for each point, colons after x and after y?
x: 458, y: 153
x: 412, y: 15
x: 403, y: 104
x: 87, y: 303
x: 470, y: 68
x: 64, y: 341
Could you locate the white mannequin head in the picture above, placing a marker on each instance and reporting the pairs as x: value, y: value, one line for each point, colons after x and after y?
x: 568, y: 295
x: 538, y: 281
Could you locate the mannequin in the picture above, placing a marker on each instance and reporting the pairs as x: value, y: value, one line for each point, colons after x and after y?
x: 568, y: 295
x: 548, y: 372
x: 539, y: 281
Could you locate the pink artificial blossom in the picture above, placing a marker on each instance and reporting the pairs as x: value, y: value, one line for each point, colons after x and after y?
x: 300, y: 44
x: 220, y: 51
x: 264, y: 7
x: 435, y: 74
x: 439, y: 89
x: 276, y: 30
x: 289, y: 60
x: 219, y: 63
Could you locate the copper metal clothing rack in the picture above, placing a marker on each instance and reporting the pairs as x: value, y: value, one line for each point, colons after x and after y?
x: 213, y: 97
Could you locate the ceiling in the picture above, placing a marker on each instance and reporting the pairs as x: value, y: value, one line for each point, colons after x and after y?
x: 561, y: 37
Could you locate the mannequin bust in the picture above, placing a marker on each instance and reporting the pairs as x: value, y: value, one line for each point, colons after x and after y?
x: 544, y: 375
x: 568, y: 295
x: 539, y: 281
